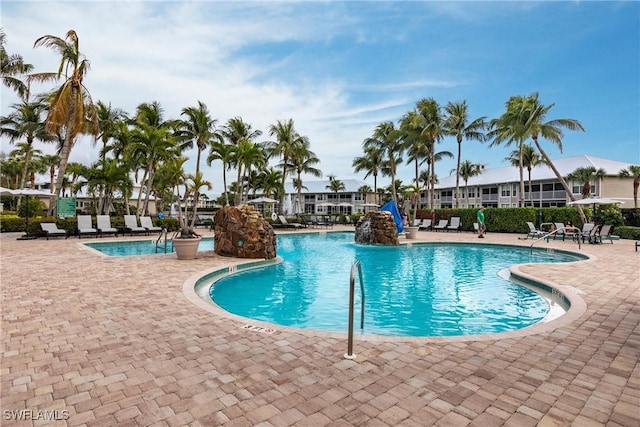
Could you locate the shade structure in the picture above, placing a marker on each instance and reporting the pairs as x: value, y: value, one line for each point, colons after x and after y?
x: 346, y: 205
x: 262, y: 200
x: 596, y: 201
x: 6, y: 192
x: 24, y: 192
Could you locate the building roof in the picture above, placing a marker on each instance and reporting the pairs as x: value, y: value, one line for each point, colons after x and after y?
x: 543, y: 172
x: 316, y: 187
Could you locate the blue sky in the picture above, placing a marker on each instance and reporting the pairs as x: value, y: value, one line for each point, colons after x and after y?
x: 338, y: 69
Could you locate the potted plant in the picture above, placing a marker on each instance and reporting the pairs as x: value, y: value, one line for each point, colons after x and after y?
x: 187, y: 242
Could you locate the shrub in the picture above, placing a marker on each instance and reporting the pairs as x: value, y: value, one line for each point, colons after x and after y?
x: 626, y: 232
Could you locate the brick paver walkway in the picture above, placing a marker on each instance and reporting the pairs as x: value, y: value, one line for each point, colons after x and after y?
x: 115, y: 341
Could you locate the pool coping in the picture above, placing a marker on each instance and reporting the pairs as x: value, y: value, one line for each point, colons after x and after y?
x: 193, y: 290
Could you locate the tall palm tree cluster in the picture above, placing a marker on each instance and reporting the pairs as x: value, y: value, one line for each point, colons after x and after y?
x: 418, y: 132
x: 144, y: 147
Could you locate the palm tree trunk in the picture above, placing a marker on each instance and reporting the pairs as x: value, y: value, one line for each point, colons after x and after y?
x: 64, y: 153
x: 521, y: 166
x: 224, y: 182
x: 458, y: 171
x: 561, y: 179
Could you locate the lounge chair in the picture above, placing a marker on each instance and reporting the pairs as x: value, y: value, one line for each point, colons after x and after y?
x: 426, y: 224
x: 286, y: 224
x: 442, y: 225
x: 534, y: 233
x: 586, y: 229
x: 637, y: 245
x: 131, y: 225
x: 455, y: 224
x: 605, y: 233
x: 417, y: 222
x: 104, y: 225
x: 592, y: 237
x: 85, y: 227
x: 146, y: 222
x: 560, y: 231
x: 51, y: 230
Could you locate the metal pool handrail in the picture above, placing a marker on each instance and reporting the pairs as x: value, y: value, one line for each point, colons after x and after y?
x: 546, y: 236
x: 356, y: 265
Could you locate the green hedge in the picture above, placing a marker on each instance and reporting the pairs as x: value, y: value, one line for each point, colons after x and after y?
x: 626, y: 232
x: 508, y: 220
x: 71, y: 225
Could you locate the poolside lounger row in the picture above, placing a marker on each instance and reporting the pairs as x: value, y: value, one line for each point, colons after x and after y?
x: 445, y: 225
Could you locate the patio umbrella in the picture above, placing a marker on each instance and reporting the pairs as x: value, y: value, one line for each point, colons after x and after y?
x: 596, y: 201
x: 262, y: 200
x: 25, y: 192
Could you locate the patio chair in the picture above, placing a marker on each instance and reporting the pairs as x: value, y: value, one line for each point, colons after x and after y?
x: 605, y: 233
x: 560, y: 231
x: 586, y: 229
x: 286, y: 224
x: 637, y: 245
x: 534, y: 233
x: 426, y: 224
x: 592, y: 236
x: 85, y: 227
x: 50, y: 229
x: 104, y: 225
x: 131, y: 226
x: 417, y: 222
x: 442, y: 225
x: 455, y: 224
x: 146, y: 222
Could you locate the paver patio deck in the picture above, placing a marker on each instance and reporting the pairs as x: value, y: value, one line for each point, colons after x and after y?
x: 115, y: 341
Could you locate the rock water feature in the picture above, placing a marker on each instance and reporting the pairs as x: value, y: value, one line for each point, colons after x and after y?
x: 242, y: 232
x: 377, y: 228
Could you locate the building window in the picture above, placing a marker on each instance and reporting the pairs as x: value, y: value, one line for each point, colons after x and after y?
x: 506, y: 191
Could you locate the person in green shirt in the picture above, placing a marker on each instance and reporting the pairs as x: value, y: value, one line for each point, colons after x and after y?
x: 482, y: 228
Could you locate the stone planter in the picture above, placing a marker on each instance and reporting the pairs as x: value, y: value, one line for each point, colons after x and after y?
x: 186, y: 248
x: 411, y: 232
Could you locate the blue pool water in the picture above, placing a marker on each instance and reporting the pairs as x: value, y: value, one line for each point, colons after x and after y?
x: 141, y: 247
x: 421, y: 290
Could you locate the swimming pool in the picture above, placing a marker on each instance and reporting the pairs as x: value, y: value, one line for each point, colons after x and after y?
x: 141, y: 247
x: 417, y: 290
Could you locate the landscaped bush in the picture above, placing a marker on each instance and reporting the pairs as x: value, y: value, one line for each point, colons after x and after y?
x: 631, y: 217
x: 626, y: 232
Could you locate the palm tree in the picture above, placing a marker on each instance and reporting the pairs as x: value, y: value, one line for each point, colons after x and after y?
x: 335, y: 185
x: 223, y: 152
x: 245, y: 155
x: 155, y: 145
x: 10, y: 169
x: 235, y: 131
x: 429, y: 122
x: 272, y: 183
x: 51, y: 161
x: 634, y: 172
x: 71, y: 108
x: 388, y: 140
x: 25, y: 123
x: 457, y: 124
x: 193, y: 184
x: 303, y: 161
x: 199, y: 128
x: 415, y: 144
x: 508, y: 129
x: 467, y: 171
x: 585, y: 175
x: 12, y: 65
x: 109, y: 122
x: 285, y: 135
x: 530, y: 159
x: 372, y: 163
x: 535, y: 127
